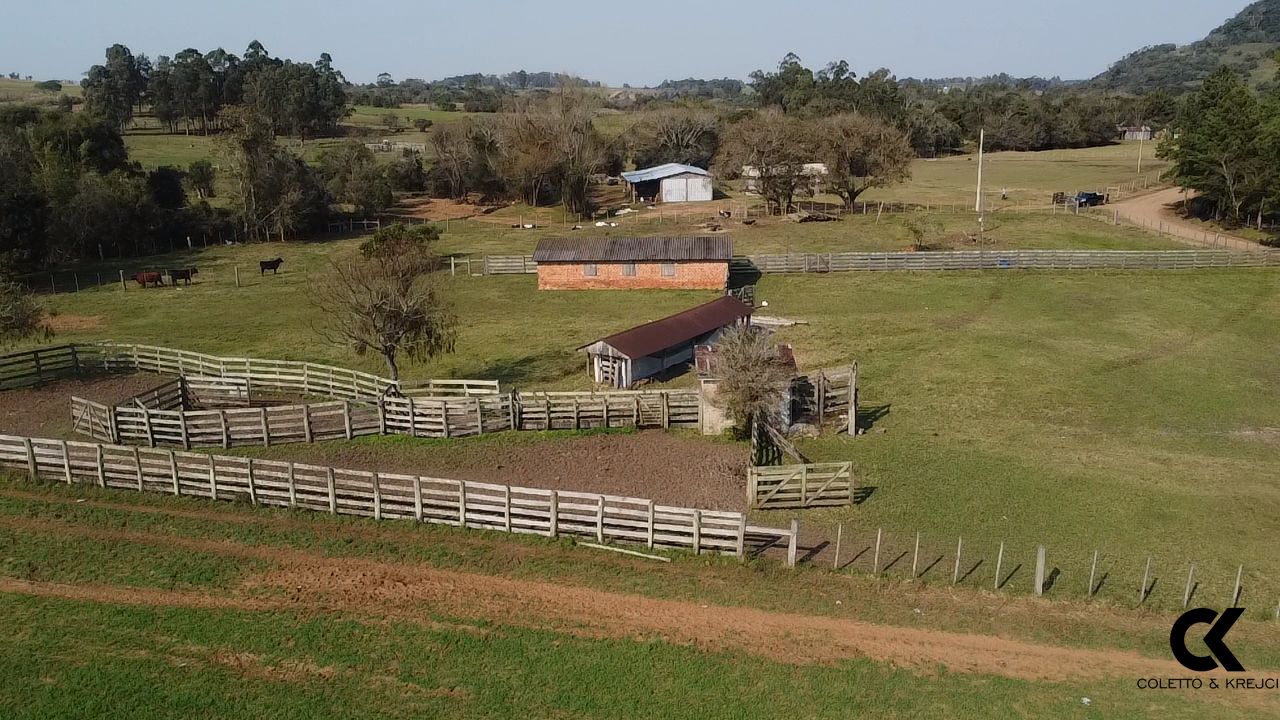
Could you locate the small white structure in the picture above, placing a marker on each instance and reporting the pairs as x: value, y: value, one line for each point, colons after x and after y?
x: 815, y: 173
x: 1138, y: 133
x: 670, y: 183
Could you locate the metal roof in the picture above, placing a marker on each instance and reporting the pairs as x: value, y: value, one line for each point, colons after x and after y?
x: 650, y: 249
x: 680, y: 328
x: 661, y: 171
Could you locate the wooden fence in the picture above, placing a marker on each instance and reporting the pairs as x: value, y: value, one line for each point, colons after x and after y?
x: 827, y: 395
x: 1005, y: 260
x: 620, y: 408
x: 602, y: 518
x: 439, y: 417
x: 800, y: 486
x: 33, y: 368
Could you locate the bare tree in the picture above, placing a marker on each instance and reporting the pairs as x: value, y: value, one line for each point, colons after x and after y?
x: 775, y: 147
x: 753, y: 378
x: 861, y: 153
x: 675, y: 135
x: 388, y: 300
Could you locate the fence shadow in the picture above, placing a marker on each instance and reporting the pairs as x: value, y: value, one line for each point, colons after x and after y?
x: 869, y: 416
x: 863, y: 493
x: 1101, y: 581
x: 893, y: 562
x: 1051, y: 579
x: 854, y: 559
x: 1146, y: 591
x: 930, y: 566
x: 970, y: 571
x: 812, y: 551
x: 1009, y: 577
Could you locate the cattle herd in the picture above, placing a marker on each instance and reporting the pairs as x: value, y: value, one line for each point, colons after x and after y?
x: 155, y: 278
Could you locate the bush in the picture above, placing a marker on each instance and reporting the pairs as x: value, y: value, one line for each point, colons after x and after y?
x: 422, y: 124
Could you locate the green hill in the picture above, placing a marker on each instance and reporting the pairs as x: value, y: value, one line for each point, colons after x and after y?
x: 1247, y: 42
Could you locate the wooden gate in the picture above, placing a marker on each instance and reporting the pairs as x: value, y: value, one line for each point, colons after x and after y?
x: 800, y: 486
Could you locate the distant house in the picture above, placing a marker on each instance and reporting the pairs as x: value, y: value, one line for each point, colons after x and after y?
x: 647, y: 350
x: 1137, y: 133
x: 693, y: 263
x: 669, y: 183
x: 815, y: 174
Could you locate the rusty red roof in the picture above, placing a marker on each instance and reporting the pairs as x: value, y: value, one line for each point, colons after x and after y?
x: 632, y: 249
x: 680, y: 328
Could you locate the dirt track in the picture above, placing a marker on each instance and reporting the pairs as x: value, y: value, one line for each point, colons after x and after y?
x: 1156, y: 208
x: 307, y: 581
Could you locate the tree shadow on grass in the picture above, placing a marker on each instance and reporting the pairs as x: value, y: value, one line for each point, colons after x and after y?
x: 518, y: 371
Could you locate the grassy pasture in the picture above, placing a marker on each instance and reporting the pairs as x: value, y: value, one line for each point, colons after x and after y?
x: 25, y: 91
x: 1130, y: 412
x: 225, y: 658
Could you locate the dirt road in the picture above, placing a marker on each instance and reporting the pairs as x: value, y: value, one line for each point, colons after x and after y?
x: 308, y: 581
x: 1154, y: 211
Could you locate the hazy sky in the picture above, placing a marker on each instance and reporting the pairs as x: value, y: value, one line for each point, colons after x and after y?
x: 637, y: 42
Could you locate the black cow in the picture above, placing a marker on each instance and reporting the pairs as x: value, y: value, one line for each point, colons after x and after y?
x: 272, y: 265
x: 176, y: 274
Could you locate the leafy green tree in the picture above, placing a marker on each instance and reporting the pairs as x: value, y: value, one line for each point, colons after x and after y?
x: 860, y: 153
x: 201, y: 178
x: 114, y: 89
x: 21, y: 315
x: 774, y: 149
x: 752, y: 379
x: 352, y: 176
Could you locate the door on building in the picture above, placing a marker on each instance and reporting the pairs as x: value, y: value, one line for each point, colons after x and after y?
x: 675, y: 190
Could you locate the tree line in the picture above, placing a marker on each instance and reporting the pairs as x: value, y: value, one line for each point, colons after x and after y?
x: 1226, y: 146
x: 188, y: 91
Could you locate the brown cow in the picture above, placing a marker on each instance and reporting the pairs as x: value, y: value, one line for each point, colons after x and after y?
x: 149, y: 278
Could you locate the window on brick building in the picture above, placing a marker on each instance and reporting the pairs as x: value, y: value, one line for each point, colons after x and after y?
x: 629, y: 269
x: 668, y: 269
x: 589, y: 270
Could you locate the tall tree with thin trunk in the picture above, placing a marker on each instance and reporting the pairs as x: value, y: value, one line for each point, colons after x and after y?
x: 862, y: 152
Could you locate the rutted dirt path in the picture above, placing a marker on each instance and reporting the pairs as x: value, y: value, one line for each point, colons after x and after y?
x: 309, y: 582
x: 1152, y: 209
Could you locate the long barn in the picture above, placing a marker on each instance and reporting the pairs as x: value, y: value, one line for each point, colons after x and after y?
x: 651, y: 349
x: 689, y: 263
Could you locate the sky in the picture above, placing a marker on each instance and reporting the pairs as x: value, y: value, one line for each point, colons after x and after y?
x: 641, y: 43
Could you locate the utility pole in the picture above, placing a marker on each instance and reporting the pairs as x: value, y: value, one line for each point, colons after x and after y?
x: 1142, y: 141
x: 982, y: 141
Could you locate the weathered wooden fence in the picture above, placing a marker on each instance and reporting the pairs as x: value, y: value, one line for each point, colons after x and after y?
x: 178, y: 424
x: 1005, y: 260
x: 487, y: 506
x: 619, y: 408
x: 826, y: 395
x: 800, y: 486
x: 33, y: 368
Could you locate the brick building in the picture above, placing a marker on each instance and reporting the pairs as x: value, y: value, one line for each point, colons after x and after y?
x: 689, y: 263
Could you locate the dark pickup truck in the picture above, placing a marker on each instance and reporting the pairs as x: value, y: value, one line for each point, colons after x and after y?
x: 1090, y: 199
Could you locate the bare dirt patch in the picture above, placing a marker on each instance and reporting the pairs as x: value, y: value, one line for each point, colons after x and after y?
x: 438, y: 209
x: 64, y: 322
x: 46, y: 411
x: 670, y: 468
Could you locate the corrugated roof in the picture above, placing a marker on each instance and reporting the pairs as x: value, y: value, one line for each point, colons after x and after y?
x: 650, y: 249
x: 680, y: 328
x: 661, y: 171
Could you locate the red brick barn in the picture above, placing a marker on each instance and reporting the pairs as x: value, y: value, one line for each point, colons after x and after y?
x: 689, y: 263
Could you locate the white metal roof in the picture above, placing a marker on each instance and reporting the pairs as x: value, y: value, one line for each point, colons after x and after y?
x: 661, y: 171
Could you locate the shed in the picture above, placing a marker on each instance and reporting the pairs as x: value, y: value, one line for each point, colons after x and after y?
x: 650, y: 349
x: 670, y: 183
x: 1137, y: 133
x: 587, y: 263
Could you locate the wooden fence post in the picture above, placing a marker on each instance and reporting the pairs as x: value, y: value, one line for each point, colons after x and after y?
x: 1235, y: 594
x: 600, y: 519
x: 1142, y: 591
x: 955, y: 574
x: 417, y: 498
x: 413, y: 420
x: 462, y: 503
x: 146, y: 421
x: 226, y: 432
x: 553, y: 509
x: 999, y: 562
x: 293, y: 487
x: 1186, y: 595
x: 333, y: 491
x: 1040, y: 570
x: 697, y: 532
x: 1093, y: 569
x: 182, y: 427
x: 266, y: 431
x: 31, y: 457
x: 444, y: 416
x: 742, y: 538
x: 253, y: 490
x: 506, y: 507
x: 137, y: 463
x: 791, y: 544
x: 346, y: 418
x: 915, y: 559
x: 306, y: 423
x: 66, y: 461
x: 875, y: 561
x: 213, y: 478
x: 382, y: 415
x: 173, y: 469
x: 377, y: 498
x: 835, y: 562
x: 651, y: 518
